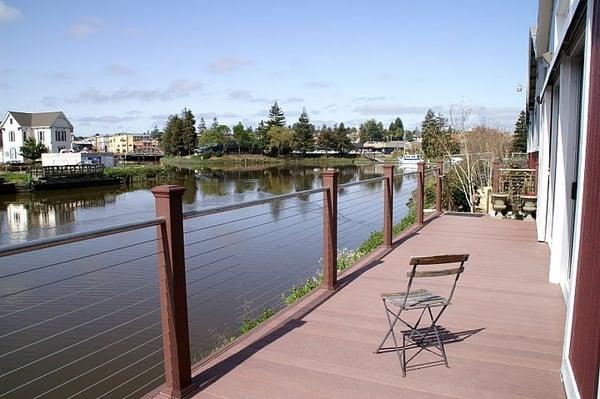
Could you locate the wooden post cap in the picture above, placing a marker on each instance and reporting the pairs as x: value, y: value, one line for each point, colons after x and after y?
x: 168, y: 190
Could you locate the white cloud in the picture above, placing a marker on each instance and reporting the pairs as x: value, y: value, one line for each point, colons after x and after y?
x: 9, y: 13
x: 227, y: 64
x: 294, y: 100
x: 390, y: 109
x: 84, y: 29
x: 120, y: 70
x: 175, y: 89
x: 245, y: 95
x: 110, y: 119
x: 317, y: 84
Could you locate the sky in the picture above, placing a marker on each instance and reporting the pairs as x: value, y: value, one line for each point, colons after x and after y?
x: 126, y: 65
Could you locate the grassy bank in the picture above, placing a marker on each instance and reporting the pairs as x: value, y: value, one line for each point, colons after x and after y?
x: 197, y: 161
x: 21, y: 179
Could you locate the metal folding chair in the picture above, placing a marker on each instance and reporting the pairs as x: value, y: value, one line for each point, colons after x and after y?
x: 425, y: 301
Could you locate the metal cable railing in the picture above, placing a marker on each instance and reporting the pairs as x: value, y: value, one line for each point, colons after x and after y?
x: 95, y: 329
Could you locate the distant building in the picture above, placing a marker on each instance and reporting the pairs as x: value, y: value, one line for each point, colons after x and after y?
x: 121, y: 143
x: 53, y: 129
x: 79, y: 158
x: 383, y: 146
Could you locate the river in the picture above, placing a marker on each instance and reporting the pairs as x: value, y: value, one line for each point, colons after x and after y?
x: 82, y: 320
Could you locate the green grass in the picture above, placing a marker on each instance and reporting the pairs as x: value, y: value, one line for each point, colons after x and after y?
x: 20, y: 178
x: 198, y: 161
x: 136, y: 172
x: 249, y: 323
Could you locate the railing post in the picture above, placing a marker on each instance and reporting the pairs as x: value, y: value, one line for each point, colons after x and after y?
x: 388, y: 205
x: 420, y: 205
x: 438, y: 186
x: 173, y: 295
x: 495, y: 176
x: 330, y: 228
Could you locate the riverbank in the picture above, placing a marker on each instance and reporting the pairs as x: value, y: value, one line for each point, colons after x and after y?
x: 196, y: 161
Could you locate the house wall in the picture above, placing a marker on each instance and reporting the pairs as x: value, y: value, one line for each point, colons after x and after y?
x: 12, y: 149
x: 562, y: 123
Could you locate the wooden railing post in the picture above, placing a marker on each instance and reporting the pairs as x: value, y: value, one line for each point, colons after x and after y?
x: 495, y: 176
x: 173, y: 295
x: 330, y: 228
x: 438, y: 186
x: 420, y: 203
x: 388, y: 205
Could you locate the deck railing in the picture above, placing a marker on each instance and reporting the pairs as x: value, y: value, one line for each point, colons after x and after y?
x: 172, y: 240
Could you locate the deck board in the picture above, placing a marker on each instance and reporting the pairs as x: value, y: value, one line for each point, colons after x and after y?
x: 506, y: 318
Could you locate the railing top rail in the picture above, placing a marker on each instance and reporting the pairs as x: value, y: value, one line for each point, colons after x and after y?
x: 50, y: 242
x: 247, y: 204
x: 516, y: 170
x: 359, y: 182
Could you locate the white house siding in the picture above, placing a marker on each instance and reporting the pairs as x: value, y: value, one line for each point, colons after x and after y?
x: 558, y: 131
x: 12, y: 149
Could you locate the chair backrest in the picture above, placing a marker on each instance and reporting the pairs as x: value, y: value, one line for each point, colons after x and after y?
x: 417, y: 261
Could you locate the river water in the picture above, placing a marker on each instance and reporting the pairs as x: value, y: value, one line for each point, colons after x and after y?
x: 82, y: 320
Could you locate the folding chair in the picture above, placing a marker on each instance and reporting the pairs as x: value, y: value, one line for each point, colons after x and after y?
x: 424, y: 300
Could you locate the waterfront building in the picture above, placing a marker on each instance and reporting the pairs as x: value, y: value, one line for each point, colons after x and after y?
x: 79, y: 158
x: 53, y: 129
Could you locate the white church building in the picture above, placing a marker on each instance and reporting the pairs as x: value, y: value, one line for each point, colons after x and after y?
x: 53, y: 129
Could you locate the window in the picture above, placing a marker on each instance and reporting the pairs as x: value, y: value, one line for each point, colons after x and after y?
x: 11, y: 136
x: 11, y: 121
x: 40, y: 136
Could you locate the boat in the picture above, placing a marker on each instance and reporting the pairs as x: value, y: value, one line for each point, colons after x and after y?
x: 410, y: 160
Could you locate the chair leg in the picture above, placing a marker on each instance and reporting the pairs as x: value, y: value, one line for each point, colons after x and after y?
x: 403, y: 355
x: 400, y: 353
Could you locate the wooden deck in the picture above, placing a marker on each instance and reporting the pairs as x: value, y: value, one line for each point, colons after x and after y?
x: 504, y: 328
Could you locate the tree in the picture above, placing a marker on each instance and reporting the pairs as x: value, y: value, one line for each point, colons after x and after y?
x: 371, y: 130
x: 341, y: 139
x: 276, y: 116
x: 409, y: 136
x: 155, y: 133
x: 396, y: 130
x: 326, y: 139
x: 188, y: 131
x: 201, y: 126
x: 304, y: 132
x: 172, y: 137
x: 519, y: 140
x: 436, y: 136
x: 261, y: 136
x: 281, y: 140
x: 32, y: 149
x: 243, y: 137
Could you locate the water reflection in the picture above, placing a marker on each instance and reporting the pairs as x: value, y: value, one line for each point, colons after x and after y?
x: 41, y: 214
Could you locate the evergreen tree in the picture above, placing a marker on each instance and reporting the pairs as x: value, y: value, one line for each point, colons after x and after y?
x: 341, y: 139
x: 261, y: 136
x: 371, y: 130
x: 325, y: 139
x: 201, y: 126
x: 396, y: 130
x: 188, y: 131
x: 173, y: 138
x: 519, y: 140
x: 304, y: 132
x: 32, y: 149
x: 436, y: 136
x: 276, y: 117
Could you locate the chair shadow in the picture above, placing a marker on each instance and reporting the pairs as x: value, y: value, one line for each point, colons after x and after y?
x: 429, y: 341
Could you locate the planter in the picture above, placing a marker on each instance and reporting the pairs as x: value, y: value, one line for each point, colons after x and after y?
x: 529, y: 206
x: 499, y: 204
